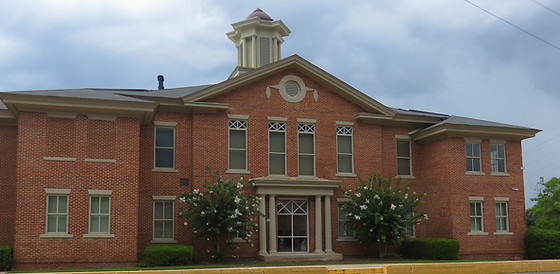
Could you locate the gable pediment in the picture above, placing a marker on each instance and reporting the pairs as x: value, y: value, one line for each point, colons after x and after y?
x: 294, y: 63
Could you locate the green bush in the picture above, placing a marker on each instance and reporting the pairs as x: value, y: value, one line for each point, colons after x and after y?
x: 168, y: 255
x: 430, y: 249
x: 542, y: 244
x: 6, y: 258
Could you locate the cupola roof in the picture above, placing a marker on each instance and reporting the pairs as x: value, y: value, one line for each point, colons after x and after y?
x: 260, y: 14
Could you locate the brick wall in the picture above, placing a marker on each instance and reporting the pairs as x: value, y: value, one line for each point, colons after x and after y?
x: 8, y: 144
x: 35, y: 174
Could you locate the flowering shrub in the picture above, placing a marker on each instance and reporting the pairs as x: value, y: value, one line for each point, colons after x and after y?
x: 381, y: 212
x: 221, y: 212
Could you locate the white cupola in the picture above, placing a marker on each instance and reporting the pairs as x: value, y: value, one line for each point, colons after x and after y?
x: 258, y: 40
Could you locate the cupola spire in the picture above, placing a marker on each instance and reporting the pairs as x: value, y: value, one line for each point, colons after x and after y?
x: 258, y: 40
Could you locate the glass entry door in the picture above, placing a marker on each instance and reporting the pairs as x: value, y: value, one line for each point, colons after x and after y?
x: 293, y: 231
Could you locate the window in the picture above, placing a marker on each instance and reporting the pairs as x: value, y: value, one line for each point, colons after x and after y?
x: 57, y: 214
x: 306, y: 149
x: 344, y: 149
x: 410, y: 231
x: 237, y: 144
x: 502, y: 222
x: 99, y: 212
x: 345, y: 231
x: 277, y: 148
x: 476, y: 216
x: 473, y: 156
x: 163, y: 220
x: 404, y: 159
x: 164, y: 147
x: 498, y: 157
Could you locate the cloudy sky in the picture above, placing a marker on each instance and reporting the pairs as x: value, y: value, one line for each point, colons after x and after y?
x: 446, y: 56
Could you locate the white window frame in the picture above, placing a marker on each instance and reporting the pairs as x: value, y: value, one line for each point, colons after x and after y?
x: 277, y: 125
x: 306, y: 126
x: 407, y: 139
x: 477, y: 200
x: 495, y: 143
x: 345, y: 129
x: 502, y: 200
x: 54, y: 192
x: 467, y: 157
x: 167, y: 125
x: 238, y: 122
x: 94, y: 193
x: 163, y: 199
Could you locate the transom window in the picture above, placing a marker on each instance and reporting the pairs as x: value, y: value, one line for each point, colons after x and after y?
x: 473, y: 157
x: 404, y: 159
x: 277, y: 148
x: 306, y: 149
x: 344, y: 149
x: 498, y: 158
x: 237, y: 144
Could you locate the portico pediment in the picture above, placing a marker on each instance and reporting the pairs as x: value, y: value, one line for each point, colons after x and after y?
x: 294, y: 186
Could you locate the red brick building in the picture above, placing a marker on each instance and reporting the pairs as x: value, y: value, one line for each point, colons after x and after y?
x: 92, y: 176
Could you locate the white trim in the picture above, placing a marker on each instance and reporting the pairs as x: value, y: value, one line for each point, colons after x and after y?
x: 238, y: 171
x: 402, y: 137
x: 338, y: 174
x: 56, y: 235
x: 165, y: 124
x: 502, y: 174
x: 62, y: 159
x: 164, y: 201
x: 277, y: 119
x: 282, y: 88
x: 306, y: 121
x: 98, y: 235
x: 57, y: 191
x: 164, y: 197
x: 475, y: 173
x: 477, y: 233
x: 476, y: 199
x: 164, y: 169
x: 89, y: 160
x: 498, y: 233
x: 409, y: 158
x: 237, y: 116
x: 99, y: 192
x: 344, y: 123
x: 501, y: 199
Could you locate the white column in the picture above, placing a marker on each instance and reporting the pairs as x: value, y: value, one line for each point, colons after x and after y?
x: 318, y: 226
x: 254, y: 52
x: 328, y: 232
x: 272, y: 223
x: 262, y: 225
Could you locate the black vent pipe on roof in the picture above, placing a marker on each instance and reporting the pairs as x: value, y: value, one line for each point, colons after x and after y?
x: 160, y: 82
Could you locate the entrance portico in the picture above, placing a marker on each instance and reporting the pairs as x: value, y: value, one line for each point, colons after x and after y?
x: 288, y: 218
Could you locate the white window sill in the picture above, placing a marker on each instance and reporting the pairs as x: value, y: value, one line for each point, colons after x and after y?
x: 477, y: 233
x: 475, y: 173
x: 164, y: 169
x: 346, y: 239
x: 236, y: 240
x: 63, y: 159
x: 100, y: 160
x: 163, y: 241
x: 504, y: 174
x: 56, y: 235
x: 406, y: 177
x: 503, y: 233
x: 346, y: 175
x: 238, y: 171
x: 99, y: 235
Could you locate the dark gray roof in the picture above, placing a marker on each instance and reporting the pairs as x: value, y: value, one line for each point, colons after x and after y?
x: 459, y: 120
x: 260, y: 14
x: 419, y: 113
x: 130, y: 95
